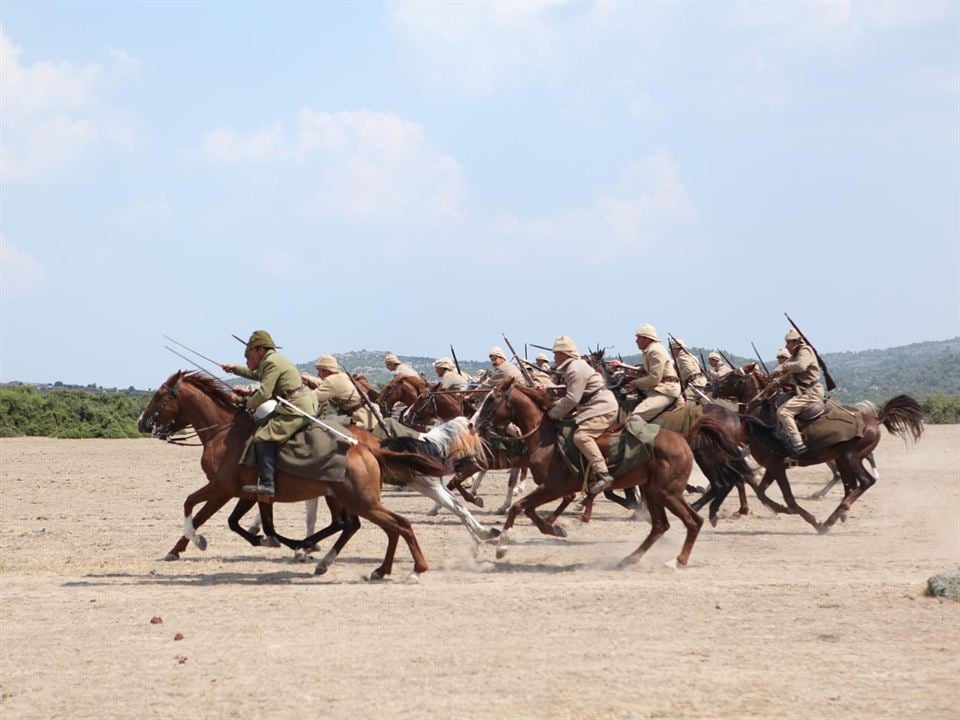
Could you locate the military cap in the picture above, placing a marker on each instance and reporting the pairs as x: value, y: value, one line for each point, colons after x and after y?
x: 497, y: 352
x: 566, y: 345
x: 328, y: 363
x: 647, y: 331
x: 443, y: 363
x: 542, y: 357
x: 391, y: 358
x: 261, y: 338
x: 714, y: 356
x: 792, y: 335
x: 783, y: 353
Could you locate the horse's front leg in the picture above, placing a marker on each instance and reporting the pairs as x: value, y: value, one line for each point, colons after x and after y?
x: 528, y: 505
x: 555, y: 515
x: 784, y: 484
x: 205, y: 494
x: 761, y: 491
x: 242, y: 507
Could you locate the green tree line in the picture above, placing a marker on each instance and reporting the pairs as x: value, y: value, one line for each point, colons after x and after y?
x: 68, y: 413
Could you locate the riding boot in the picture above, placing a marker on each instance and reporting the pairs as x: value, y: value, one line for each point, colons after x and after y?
x: 601, y: 481
x: 796, y: 449
x: 266, y: 454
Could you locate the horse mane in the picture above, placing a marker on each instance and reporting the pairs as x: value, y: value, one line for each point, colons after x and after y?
x: 211, y: 387
x: 539, y: 398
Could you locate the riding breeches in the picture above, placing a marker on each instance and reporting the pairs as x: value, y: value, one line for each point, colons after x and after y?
x: 787, y: 413
x: 653, y: 405
x: 584, y: 438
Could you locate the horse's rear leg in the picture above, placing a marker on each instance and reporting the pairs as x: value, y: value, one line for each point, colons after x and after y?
x: 679, y: 507
x: 856, y: 481
x: 792, y: 506
x: 242, y: 507
x: 395, y: 526
x: 658, y: 526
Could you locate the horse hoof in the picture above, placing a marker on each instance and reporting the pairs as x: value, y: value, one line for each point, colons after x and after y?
x: 321, y: 569
x: 559, y: 531
x: 713, y: 520
x: 170, y: 557
x: 375, y: 576
x: 502, y: 510
x: 501, y: 553
x: 270, y: 541
x: 201, y: 542
x: 626, y: 562
x: 823, y: 528
x: 412, y: 579
x: 492, y: 533
x: 478, y: 501
x: 671, y: 564
x: 433, y: 512
x: 299, y: 555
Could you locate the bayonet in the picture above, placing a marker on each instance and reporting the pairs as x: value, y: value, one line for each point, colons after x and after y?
x: 831, y: 385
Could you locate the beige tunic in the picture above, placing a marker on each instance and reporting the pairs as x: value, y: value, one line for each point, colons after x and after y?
x: 690, y: 371
x: 802, y: 370
x: 722, y: 369
x: 340, y: 392
x: 405, y: 369
x: 506, y: 371
x: 452, y: 380
x: 587, y: 393
x: 657, y: 373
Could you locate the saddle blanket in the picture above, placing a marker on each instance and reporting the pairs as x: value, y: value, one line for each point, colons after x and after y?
x: 681, y: 419
x: 838, y: 424
x: 627, y: 449
x: 312, y: 453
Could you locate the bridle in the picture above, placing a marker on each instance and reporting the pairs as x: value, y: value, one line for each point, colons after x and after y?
x: 500, y: 400
x: 165, y: 433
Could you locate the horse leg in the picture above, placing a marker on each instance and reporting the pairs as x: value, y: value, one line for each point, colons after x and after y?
x: 395, y: 526
x: 822, y: 492
x: 469, y: 495
x: 874, y: 470
x: 527, y: 505
x: 587, y: 514
x: 434, y: 489
x: 856, y: 481
x: 761, y: 491
x: 350, y: 524
x: 266, y: 514
x: 243, y: 505
x: 679, y: 507
x: 555, y: 515
x: 189, y: 528
x: 511, y: 486
x: 792, y: 507
x: 658, y: 526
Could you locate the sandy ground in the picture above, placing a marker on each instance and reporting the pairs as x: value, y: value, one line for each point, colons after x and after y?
x: 770, y: 620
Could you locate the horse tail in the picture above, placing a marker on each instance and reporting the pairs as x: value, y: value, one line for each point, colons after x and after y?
x: 708, y: 434
x: 903, y: 416
x: 408, y: 459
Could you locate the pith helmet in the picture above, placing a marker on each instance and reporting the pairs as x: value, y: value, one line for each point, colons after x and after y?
x: 783, y: 353
x: 443, y: 363
x: 566, y: 345
x: 714, y: 356
x: 328, y: 363
x: 261, y: 338
x: 647, y: 331
x: 391, y: 358
x: 497, y: 352
x: 542, y: 357
x: 792, y: 335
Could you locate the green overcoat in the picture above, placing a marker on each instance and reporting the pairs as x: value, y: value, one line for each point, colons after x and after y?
x: 279, y: 378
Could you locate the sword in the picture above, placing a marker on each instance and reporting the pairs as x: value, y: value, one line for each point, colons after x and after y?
x: 200, y: 368
x: 175, y: 342
x: 343, y: 436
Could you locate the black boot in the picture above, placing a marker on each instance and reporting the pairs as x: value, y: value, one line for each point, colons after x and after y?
x: 266, y: 454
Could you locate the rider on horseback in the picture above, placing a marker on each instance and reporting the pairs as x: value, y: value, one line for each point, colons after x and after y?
x: 655, y: 375
x: 399, y: 368
x: 800, y: 377
x: 690, y: 370
x: 450, y: 379
x: 593, y: 407
x: 279, y: 378
x: 503, y: 369
x: 335, y: 387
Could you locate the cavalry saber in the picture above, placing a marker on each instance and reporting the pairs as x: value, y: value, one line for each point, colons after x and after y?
x: 762, y: 363
x: 346, y: 438
x: 200, y: 367
x: 176, y: 342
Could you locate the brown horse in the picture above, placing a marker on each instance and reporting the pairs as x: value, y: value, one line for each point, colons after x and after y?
x: 403, y: 389
x: 364, y: 384
x: 902, y: 416
x: 190, y: 398
x: 661, y: 481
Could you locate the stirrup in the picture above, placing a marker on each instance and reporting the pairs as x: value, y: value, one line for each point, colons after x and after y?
x: 601, y: 483
x: 260, y: 489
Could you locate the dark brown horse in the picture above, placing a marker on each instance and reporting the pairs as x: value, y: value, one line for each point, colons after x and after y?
x: 661, y: 481
x: 193, y: 399
x: 902, y: 416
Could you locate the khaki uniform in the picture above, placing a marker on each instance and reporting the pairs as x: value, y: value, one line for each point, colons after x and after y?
x: 340, y: 392
x: 659, y: 379
x: 595, y: 407
x: 802, y: 371
x: 506, y: 371
x: 721, y: 370
x: 405, y: 369
x: 279, y: 378
x: 691, y: 374
x: 452, y: 380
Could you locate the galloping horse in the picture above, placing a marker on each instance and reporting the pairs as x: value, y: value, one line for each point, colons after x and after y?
x: 902, y: 416
x: 403, y: 389
x: 661, y: 481
x: 190, y: 398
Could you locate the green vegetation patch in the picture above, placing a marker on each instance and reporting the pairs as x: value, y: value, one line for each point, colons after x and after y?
x: 68, y: 413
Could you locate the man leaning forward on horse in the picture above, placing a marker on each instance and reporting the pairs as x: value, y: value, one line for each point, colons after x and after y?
x: 592, y: 406
x: 279, y: 378
x: 655, y: 376
x: 334, y: 386
x: 799, y: 375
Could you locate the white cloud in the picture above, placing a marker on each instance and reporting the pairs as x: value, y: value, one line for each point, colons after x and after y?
x: 20, y: 273
x: 49, y: 112
x: 360, y: 166
x: 649, y: 199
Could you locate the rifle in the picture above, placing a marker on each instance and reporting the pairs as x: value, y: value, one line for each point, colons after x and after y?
x: 539, y: 347
x: 703, y: 363
x: 762, y: 364
x: 455, y: 361
x: 727, y: 360
x: 527, y: 378
x: 373, y: 410
x: 676, y: 365
x: 831, y: 385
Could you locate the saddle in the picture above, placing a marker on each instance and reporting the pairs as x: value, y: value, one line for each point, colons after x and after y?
x: 312, y: 453
x: 628, y: 446
x: 681, y: 419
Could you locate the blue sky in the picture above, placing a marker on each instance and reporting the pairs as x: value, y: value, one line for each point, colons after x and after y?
x: 405, y: 176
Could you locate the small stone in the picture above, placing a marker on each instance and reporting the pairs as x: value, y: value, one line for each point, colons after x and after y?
x: 156, y: 620
x: 945, y: 584
x: 181, y: 659
x: 178, y: 636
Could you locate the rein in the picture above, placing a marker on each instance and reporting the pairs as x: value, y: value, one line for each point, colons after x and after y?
x: 195, y: 433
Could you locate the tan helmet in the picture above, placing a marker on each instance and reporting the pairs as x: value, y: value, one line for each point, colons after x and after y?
x: 714, y: 356
x: 542, y: 357
x: 443, y: 363
x: 497, y: 352
x: 783, y: 353
x: 566, y: 346
x: 792, y: 335
x: 647, y: 331
x: 391, y: 359
x: 328, y: 363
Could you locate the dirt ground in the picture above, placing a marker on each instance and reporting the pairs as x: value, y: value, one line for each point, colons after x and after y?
x: 770, y: 620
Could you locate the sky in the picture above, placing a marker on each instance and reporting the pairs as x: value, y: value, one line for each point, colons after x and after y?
x: 406, y: 176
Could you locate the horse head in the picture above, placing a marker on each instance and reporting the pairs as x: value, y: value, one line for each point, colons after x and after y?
x: 161, y: 417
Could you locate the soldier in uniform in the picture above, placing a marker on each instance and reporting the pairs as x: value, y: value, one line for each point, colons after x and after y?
x: 782, y: 356
x: 450, y: 379
x: 655, y: 375
x: 690, y: 371
x: 718, y: 368
x: 502, y: 369
x: 279, y: 378
x: 802, y: 371
x: 541, y: 371
x: 399, y: 368
x: 543, y: 363
x: 333, y: 386
x: 591, y: 404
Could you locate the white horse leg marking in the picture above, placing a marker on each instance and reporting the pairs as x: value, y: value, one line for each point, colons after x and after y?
x: 190, y: 533
x: 254, y: 528
x: 511, y: 488
x: 434, y: 489
x: 310, y: 506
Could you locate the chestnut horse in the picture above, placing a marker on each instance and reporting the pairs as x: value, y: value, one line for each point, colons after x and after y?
x: 190, y: 398
x: 662, y: 481
x: 902, y: 416
x: 403, y: 389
